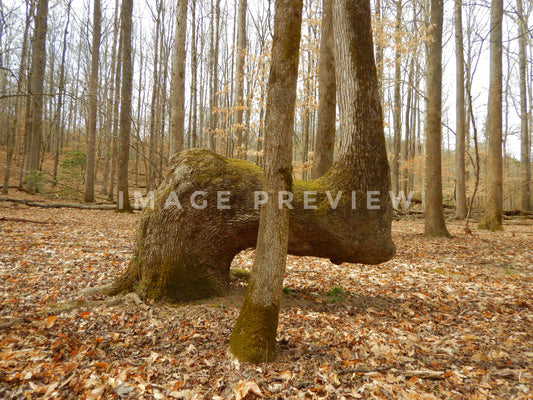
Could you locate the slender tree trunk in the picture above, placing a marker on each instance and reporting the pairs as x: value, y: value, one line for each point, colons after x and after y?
x: 59, y: 110
x: 177, y: 85
x: 493, y: 211
x: 239, y: 78
x: 116, y: 117
x: 214, y: 77
x: 108, y: 165
x: 327, y: 93
x: 434, y: 220
x: 525, y: 163
x: 37, y: 88
x: 460, y: 115
x: 194, y: 77
x: 126, y: 18
x: 397, y: 114
x: 254, y: 335
x: 407, y: 140
x: 22, y: 86
x: 93, y: 103
x: 154, y: 114
x: 379, y: 49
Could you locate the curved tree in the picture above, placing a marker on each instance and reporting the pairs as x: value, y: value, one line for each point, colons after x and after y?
x: 207, y: 210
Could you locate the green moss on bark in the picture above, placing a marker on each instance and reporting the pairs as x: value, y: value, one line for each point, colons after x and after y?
x: 254, y: 337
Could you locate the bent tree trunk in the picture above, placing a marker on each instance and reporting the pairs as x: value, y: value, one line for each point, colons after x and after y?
x: 187, y: 240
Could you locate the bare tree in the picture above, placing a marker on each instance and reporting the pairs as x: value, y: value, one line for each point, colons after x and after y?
x: 22, y: 86
x: 177, y: 85
x: 327, y: 92
x: 239, y: 78
x: 93, y: 102
x: 254, y: 335
x: 525, y: 165
x: 493, y: 211
x: 397, y: 113
x: 460, y: 115
x: 36, y: 90
x: 126, y: 18
x: 434, y: 219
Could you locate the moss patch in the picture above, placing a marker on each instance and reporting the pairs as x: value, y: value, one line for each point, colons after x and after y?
x: 254, y: 336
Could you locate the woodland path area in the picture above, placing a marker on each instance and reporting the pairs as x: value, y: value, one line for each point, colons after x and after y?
x: 446, y: 318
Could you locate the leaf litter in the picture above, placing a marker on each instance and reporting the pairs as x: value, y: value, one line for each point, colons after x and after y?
x: 445, y: 319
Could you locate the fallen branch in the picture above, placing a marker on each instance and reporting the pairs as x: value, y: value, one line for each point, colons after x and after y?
x: 428, y: 374
x: 18, y: 188
x: 60, y: 205
x: 30, y: 221
x: 363, y: 370
x: 13, y: 322
x: 517, y: 213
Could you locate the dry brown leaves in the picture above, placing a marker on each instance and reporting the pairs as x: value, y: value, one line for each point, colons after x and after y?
x: 447, y: 318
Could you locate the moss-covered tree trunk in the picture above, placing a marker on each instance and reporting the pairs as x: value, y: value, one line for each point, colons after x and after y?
x: 184, y: 251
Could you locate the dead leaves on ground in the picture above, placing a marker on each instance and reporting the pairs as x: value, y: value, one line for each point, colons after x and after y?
x: 447, y: 318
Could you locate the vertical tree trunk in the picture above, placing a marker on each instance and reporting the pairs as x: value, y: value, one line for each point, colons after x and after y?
x: 406, y: 146
x: 493, y: 211
x: 36, y: 88
x: 460, y: 116
x: 434, y: 219
x: 22, y: 86
x: 116, y: 117
x: 525, y: 164
x: 194, y: 77
x: 213, y: 109
x: 154, y: 114
x: 327, y: 93
x: 59, y: 110
x: 397, y: 114
x: 125, y: 106
x: 239, y: 78
x: 93, y: 103
x: 254, y: 335
x: 379, y: 50
x: 177, y: 85
x: 109, y: 156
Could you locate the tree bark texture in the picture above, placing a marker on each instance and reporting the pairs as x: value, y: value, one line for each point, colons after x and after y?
x: 183, y: 252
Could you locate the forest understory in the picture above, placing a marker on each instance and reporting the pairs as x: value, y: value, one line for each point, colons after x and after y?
x: 446, y: 318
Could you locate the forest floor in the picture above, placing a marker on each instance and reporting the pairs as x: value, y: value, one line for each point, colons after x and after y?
x: 446, y: 318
